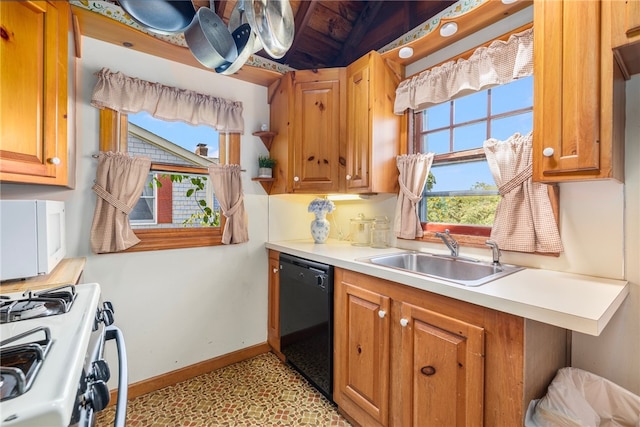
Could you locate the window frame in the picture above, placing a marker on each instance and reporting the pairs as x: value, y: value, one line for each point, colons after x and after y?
x: 113, y: 137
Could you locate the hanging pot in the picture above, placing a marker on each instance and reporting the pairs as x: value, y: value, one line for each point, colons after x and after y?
x: 272, y: 21
x: 209, y: 39
x: 244, y: 39
x: 239, y: 17
x: 160, y: 16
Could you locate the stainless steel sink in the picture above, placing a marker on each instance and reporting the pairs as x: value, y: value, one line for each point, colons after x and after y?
x: 459, y: 270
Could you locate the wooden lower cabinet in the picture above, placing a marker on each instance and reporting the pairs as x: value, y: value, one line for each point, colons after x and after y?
x: 407, y: 357
x: 361, y: 337
x: 442, y: 369
x: 273, y: 321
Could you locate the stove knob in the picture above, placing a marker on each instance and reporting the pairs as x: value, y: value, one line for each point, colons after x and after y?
x: 107, y: 317
x: 97, y: 395
x: 100, y: 371
x: 108, y: 306
x: 107, y: 313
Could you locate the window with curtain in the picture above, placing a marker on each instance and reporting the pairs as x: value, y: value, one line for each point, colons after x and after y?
x: 154, y: 236
x: 478, y: 104
x: 461, y: 194
x: 120, y: 98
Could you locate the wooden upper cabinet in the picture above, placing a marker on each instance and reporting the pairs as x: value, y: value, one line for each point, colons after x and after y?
x: 317, y: 129
x: 373, y: 135
x: 308, y: 110
x: 33, y: 105
x: 623, y: 17
x: 625, y: 22
x: 578, y: 95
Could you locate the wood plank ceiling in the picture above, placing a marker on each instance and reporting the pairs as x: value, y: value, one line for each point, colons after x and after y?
x: 333, y: 33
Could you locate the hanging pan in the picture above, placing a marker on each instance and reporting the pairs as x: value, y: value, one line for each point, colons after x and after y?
x: 272, y: 21
x: 160, y: 16
x: 209, y: 39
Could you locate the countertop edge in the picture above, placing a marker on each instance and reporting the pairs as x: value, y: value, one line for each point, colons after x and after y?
x: 526, y: 294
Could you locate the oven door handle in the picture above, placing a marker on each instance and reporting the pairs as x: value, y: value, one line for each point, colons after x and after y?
x: 113, y: 332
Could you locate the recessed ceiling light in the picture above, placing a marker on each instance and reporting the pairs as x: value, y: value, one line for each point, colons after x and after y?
x: 405, y: 52
x: 449, y: 29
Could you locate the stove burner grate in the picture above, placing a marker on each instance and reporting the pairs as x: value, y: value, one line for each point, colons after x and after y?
x: 38, y: 304
x: 19, y: 364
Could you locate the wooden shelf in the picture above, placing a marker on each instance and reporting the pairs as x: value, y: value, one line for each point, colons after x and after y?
x: 266, y: 137
x: 265, y: 182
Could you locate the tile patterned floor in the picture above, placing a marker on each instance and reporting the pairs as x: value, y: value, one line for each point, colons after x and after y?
x: 261, y: 391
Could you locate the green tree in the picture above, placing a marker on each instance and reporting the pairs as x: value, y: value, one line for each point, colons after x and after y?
x: 473, y: 210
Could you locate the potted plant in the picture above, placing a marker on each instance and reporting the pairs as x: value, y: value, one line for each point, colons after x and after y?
x: 265, y: 166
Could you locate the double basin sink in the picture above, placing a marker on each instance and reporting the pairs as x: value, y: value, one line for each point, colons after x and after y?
x: 463, y: 271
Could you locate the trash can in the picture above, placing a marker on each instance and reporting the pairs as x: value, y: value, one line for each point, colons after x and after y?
x: 577, y: 398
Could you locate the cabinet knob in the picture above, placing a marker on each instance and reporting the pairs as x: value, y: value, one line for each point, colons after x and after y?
x: 348, y: 177
x: 296, y: 179
x: 54, y: 160
x: 548, y: 152
x: 404, y: 322
x: 275, y: 270
x: 381, y: 314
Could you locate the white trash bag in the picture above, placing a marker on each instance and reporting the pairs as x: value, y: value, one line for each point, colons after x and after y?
x: 577, y: 398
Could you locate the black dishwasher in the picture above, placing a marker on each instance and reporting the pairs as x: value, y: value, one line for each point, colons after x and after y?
x: 306, y: 319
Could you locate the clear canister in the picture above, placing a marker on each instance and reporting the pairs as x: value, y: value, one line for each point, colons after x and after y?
x: 361, y: 230
x: 380, y: 232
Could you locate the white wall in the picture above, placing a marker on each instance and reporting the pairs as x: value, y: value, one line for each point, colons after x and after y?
x: 175, y: 307
x: 614, y: 354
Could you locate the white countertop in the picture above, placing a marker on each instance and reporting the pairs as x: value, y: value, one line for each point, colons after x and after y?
x: 571, y: 301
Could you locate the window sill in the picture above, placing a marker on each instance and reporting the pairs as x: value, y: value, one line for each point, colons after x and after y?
x: 462, y: 239
x: 161, y: 239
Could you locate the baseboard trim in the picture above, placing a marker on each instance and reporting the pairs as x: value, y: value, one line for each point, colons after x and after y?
x: 170, y: 378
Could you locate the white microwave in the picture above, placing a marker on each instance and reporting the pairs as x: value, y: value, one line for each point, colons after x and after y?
x: 32, y: 237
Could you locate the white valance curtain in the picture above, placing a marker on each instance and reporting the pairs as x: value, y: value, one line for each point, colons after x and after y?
x: 131, y: 95
x: 227, y: 185
x: 499, y: 63
x: 414, y: 170
x: 524, y: 219
x: 119, y: 183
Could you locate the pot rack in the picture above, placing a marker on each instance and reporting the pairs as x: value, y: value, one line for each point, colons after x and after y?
x: 254, y: 25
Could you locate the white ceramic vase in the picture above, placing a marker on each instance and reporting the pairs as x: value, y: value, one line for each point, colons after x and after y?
x: 320, y: 228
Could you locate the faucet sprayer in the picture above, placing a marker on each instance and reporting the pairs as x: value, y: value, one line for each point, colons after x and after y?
x: 495, y: 251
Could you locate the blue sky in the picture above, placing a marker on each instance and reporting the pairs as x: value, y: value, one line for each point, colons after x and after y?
x: 462, y: 176
x: 180, y: 133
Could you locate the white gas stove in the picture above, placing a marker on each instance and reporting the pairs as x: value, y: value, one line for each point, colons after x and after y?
x: 51, y: 354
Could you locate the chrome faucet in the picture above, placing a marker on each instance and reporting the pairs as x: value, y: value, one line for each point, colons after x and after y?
x: 495, y: 251
x: 451, y: 243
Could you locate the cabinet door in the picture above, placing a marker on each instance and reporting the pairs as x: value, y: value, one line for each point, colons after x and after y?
x: 34, y: 92
x: 566, y: 89
x: 442, y: 369
x: 273, y: 321
x: 625, y: 22
x: 359, y: 129
x: 362, y: 353
x: 373, y: 137
x: 318, y: 130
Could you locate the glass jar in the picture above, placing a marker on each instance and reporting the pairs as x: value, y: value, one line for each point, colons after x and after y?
x: 361, y: 230
x: 380, y: 232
